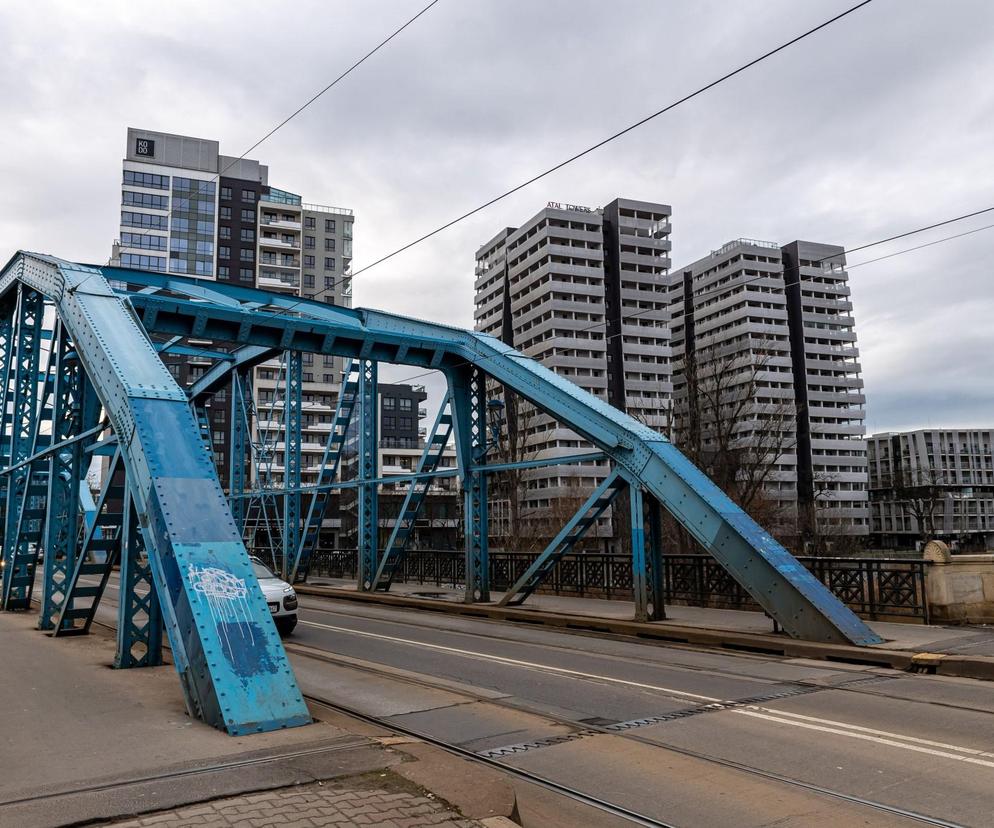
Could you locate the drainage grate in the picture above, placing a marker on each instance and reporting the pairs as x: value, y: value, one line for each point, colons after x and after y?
x: 612, y: 726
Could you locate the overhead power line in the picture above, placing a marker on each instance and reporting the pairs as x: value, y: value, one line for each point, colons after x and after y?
x: 866, y: 246
x: 616, y: 135
x: 593, y: 147
x: 341, y: 77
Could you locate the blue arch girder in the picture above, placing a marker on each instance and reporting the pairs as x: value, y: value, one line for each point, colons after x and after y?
x: 233, y: 669
x: 801, y: 604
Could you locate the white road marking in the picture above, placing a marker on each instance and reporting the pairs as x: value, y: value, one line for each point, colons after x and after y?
x: 883, y: 737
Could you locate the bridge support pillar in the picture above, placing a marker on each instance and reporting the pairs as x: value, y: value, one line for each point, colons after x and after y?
x: 291, y: 455
x: 647, y: 555
x: 139, y: 618
x: 468, y: 389
x: 25, y: 353
x: 368, y: 470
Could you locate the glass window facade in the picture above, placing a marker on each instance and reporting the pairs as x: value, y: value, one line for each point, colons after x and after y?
x: 141, y: 179
x: 147, y: 220
x: 143, y: 240
x: 143, y: 262
x: 191, y: 246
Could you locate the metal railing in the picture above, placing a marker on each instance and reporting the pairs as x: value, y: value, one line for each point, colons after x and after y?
x: 872, y: 587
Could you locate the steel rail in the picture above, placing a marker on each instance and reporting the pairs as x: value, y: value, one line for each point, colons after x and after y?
x: 580, y: 796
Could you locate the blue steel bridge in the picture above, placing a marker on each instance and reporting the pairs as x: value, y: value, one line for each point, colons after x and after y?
x: 82, y: 376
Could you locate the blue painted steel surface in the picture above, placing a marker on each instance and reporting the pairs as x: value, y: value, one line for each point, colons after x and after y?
x: 467, y: 389
x: 139, y: 617
x: 239, y: 430
x: 18, y: 572
x: 417, y: 491
x: 368, y: 466
x: 348, y: 395
x: 291, y: 453
x: 233, y: 669
x: 803, y: 606
x: 574, y: 530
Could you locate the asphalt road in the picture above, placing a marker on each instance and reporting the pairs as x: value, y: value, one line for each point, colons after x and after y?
x: 687, y: 736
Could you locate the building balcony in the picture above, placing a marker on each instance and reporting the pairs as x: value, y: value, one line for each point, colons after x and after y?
x: 280, y: 224
x: 281, y: 244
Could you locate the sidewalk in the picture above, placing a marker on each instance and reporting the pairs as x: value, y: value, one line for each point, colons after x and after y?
x: 85, y: 744
x: 969, y: 650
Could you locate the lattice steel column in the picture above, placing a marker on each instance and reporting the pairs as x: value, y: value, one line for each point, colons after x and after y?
x: 469, y: 397
x: 291, y: 453
x: 26, y: 337
x: 241, y: 384
x: 368, y: 470
x: 76, y: 409
x: 139, y: 617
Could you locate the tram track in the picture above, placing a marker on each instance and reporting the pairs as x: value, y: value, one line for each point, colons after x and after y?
x: 580, y: 729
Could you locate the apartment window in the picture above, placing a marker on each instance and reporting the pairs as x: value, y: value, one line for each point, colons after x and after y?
x: 249, y: 216
x: 224, y: 233
x: 247, y: 254
x: 140, y: 179
x: 148, y: 200
x: 223, y: 272
x: 308, y: 376
x: 226, y: 193
x: 248, y: 195
x: 309, y: 280
x: 203, y: 268
x: 329, y: 225
x: 145, y: 242
x: 347, y: 230
x: 309, y: 242
x: 328, y: 378
x: 143, y: 262
x: 329, y: 262
x: 246, y: 274
x: 405, y: 423
x: 178, y: 244
x: 389, y: 403
x: 309, y: 222
x: 405, y: 404
x: 205, y: 228
x: 205, y: 248
x: 329, y: 282
x: 329, y: 244
x: 308, y: 261
x: 248, y: 234
x: 223, y: 251
x: 226, y: 213
x: 129, y: 219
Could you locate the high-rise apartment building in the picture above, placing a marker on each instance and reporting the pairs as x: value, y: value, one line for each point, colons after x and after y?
x: 189, y: 210
x: 937, y: 483
x: 766, y: 369
x: 582, y: 291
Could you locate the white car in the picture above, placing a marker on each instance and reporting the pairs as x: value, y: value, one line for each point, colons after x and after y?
x: 280, y: 596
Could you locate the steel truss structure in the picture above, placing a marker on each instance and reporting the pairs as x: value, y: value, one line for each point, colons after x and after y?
x: 164, y: 517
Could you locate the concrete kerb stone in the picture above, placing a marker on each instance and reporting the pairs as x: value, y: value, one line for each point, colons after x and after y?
x: 977, y: 667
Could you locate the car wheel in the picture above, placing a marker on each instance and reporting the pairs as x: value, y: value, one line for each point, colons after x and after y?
x: 285, y: 626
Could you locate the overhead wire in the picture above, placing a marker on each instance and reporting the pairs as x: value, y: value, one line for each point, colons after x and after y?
x: 818, y: 262
x: 607, y: 140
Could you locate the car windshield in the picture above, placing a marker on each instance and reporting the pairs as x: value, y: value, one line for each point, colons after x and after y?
x: 262, y: 571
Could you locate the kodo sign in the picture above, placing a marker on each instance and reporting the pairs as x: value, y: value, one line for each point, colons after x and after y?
x: 145, y: 146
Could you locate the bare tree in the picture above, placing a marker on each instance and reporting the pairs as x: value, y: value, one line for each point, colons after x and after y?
x: 733, y: 425
x: 918, y: 491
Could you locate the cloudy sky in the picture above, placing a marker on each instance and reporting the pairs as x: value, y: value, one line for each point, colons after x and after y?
x: 881, y: 123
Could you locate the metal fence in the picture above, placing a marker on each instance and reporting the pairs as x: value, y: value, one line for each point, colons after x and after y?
x: 872, y: 587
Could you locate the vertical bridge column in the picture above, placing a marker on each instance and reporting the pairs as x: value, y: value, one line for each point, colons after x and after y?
x: 468, y: 390
x: 240, y: 431
x: 76, y: 410
x: 291, y: 462
x: 647, y: 559
x: 368, y: 469
x: 24, y: 355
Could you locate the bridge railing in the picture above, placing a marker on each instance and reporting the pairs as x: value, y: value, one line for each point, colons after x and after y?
x: 875, y: 588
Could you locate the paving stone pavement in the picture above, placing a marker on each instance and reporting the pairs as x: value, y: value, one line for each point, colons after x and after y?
x: 380, y: 799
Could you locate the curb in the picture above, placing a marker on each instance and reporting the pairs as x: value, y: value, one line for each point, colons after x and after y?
x: 946, y: 664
